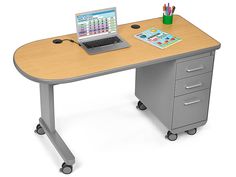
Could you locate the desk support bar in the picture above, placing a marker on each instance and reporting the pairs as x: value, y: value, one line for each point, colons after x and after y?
x: 47, y: 106
x: 47, y: 121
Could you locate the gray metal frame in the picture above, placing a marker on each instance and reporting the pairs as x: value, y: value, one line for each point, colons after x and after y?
x: 47, y: 121
x: 149, y: 79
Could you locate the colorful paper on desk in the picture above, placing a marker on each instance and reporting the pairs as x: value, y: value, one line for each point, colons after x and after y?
x: 158, y: 38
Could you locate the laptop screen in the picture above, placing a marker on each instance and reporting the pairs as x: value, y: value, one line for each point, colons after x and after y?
x: 96, y: 23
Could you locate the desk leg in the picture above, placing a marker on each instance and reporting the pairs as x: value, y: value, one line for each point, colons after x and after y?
x: 47, y: 123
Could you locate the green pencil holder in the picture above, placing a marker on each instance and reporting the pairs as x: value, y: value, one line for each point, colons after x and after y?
x: 167, y: 19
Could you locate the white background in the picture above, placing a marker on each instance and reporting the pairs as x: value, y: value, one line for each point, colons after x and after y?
x: 97, y: 118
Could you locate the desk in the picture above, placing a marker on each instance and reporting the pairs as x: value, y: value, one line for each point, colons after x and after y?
x: 174, y: 83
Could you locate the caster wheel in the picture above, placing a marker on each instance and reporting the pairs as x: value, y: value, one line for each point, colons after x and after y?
x: 172, y: 137
x: 192, y: 131
x: 39, y: 130
x: 141, y: 106
x: 66, y: 169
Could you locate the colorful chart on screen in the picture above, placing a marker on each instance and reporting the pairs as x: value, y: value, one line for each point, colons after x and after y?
x: 96, y: 23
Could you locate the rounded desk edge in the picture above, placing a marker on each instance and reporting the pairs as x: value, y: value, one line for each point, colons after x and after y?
x: 74, y: 79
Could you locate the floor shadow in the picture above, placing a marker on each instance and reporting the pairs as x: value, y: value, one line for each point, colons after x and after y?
x: 153, y: 119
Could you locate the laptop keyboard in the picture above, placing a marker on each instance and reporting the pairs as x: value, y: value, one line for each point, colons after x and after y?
x: 102, y: 42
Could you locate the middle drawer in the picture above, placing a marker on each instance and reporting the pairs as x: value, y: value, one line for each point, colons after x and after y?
x: 193, y: 84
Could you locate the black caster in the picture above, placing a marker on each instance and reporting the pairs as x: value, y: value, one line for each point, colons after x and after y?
x: 66, y: 169
x: 141, y: 106
x: 39, y: 130
x: 172, y: 137
x: 191, y: 131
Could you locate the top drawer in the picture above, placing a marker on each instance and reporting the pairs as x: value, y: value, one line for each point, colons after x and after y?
x: 194, y: 67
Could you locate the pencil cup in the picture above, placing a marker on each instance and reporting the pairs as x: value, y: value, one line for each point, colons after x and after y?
x: 167, y: 19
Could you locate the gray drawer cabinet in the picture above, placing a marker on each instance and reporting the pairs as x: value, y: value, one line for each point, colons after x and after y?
x: 177, y: 92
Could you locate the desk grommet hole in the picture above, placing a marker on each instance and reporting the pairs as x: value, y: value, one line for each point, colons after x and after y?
x: 135, y: 26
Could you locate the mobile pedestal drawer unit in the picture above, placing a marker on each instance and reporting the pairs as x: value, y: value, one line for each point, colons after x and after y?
x: 177, y: 92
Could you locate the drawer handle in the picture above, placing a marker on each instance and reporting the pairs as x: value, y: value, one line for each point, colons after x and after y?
x: 194, y: 86
x: 191, y: 102
x: 195, y: 69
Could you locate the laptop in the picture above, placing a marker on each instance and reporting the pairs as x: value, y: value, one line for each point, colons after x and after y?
x: 97, y: 31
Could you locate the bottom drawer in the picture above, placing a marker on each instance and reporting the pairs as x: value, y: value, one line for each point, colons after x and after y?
x: 190, y: 108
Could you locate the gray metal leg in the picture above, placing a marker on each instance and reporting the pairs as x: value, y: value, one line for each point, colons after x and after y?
x: 47, y: 121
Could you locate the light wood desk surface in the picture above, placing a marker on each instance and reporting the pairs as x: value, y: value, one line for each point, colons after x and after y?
x: 47, y: 62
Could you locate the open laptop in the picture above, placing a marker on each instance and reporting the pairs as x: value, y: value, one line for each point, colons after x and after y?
x: 97, y: 31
